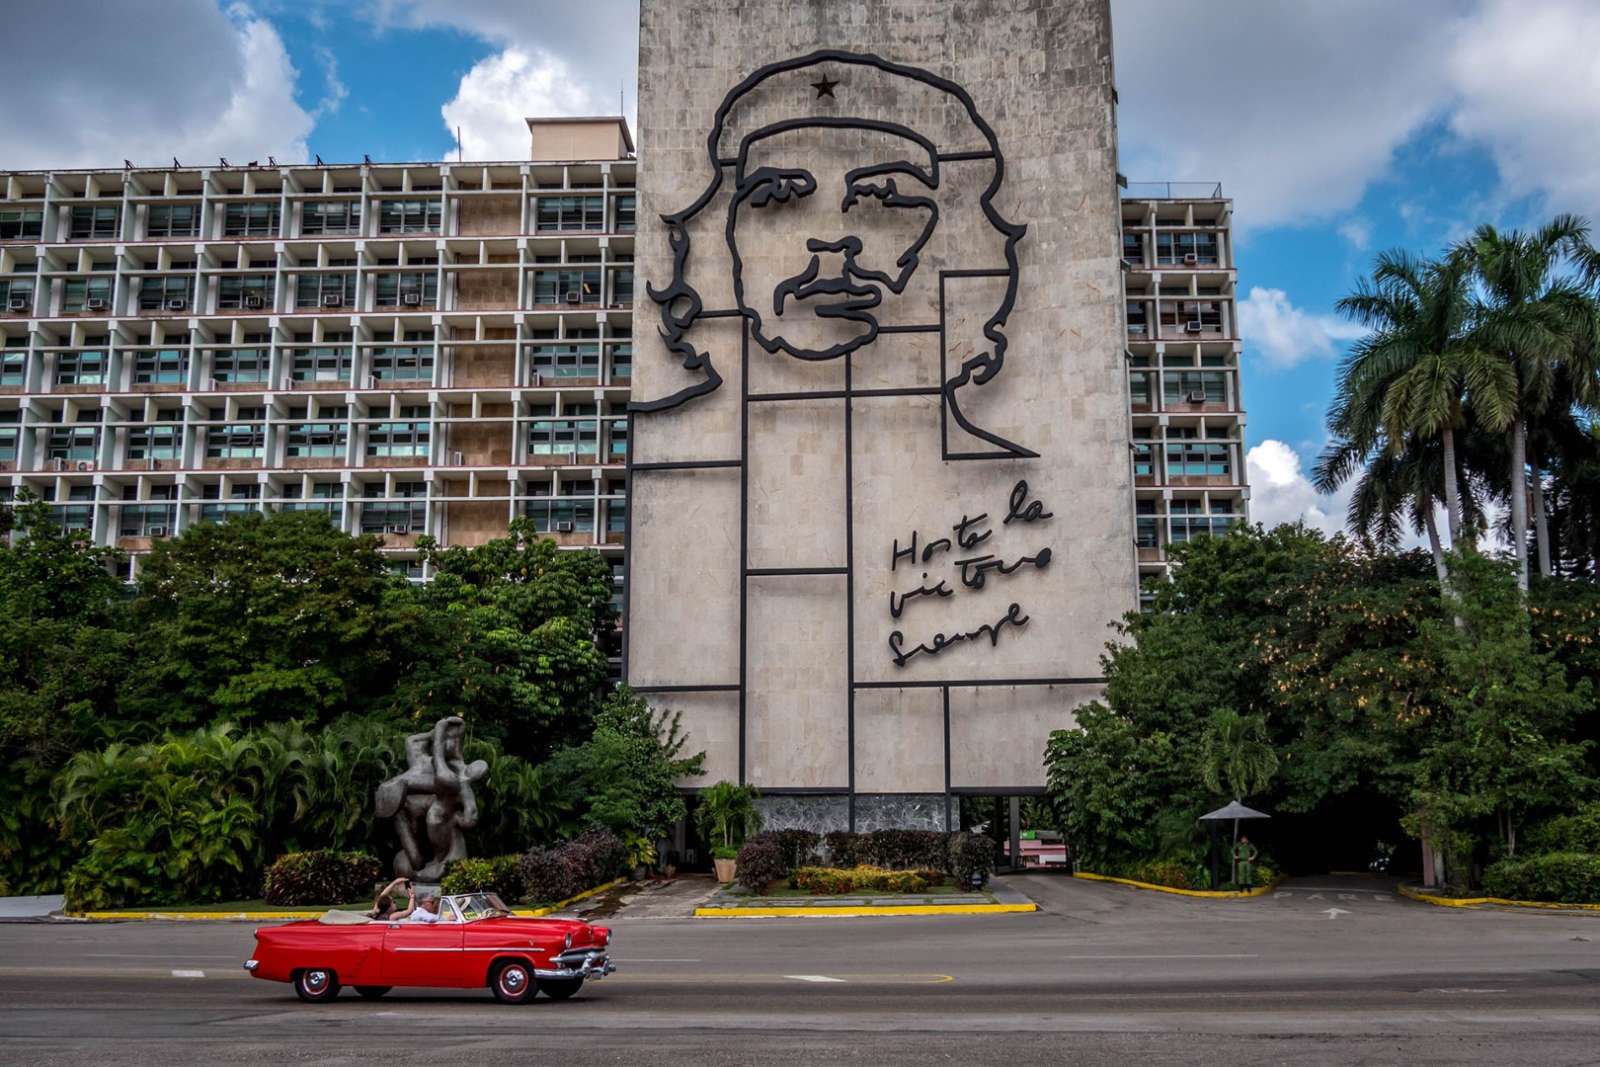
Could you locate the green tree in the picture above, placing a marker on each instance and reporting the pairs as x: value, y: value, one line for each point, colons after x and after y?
x: 727, y: 815
x: 1236, y: 759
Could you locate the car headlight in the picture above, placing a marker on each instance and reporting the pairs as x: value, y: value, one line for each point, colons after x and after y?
x: 569, y: 939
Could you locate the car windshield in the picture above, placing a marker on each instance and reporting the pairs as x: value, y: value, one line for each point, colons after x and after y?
x: 474, y: 906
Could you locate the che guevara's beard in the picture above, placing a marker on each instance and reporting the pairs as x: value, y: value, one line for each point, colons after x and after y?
x: 796, y: 329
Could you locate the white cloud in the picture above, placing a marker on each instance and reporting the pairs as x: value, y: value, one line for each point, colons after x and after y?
x: 502, y: 90
x: 1280, y: 491
x: 1283, y: 335
x: 1357, y: 232
x: 551, y: 59
x: 154, y: 101
x: 335, y: 91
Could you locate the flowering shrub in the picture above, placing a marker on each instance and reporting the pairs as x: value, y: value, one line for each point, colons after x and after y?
x: 323, y: 877
x: 501, y: 875
x: 836, y: 881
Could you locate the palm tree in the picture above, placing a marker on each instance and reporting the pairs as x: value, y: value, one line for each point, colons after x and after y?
x: 1535, y: 312
x: 1235, y: 756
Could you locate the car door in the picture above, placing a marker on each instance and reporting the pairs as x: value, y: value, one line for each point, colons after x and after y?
x: 422, y: 954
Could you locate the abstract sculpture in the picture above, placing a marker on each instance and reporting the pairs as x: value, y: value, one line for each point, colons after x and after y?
x: 432, y: 801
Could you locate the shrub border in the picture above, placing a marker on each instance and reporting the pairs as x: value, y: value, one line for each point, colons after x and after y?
x: 1213, y: 894
x: 1418, y: 894
x: 825, y: 911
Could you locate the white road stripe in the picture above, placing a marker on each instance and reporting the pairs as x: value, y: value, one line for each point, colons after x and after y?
x: 812, y: 978
x: 188, y: 974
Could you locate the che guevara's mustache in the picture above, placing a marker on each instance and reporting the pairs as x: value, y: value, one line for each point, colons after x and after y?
x: 807, y: 285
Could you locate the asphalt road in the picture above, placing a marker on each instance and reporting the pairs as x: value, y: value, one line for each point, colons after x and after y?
x: 1104, y: 974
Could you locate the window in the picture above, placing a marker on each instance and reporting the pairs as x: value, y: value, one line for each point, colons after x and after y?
x: 242, y: 499
x: 324, y: 290
x: 1194, y: 387
x: 155, y: 517
x: 13, y: 368
x: 561, y: 516
x: 570, y: 213
x: 87, y: 294
x: 10, y: 434
x: 239, y: 365
x: 627, y: 212
x: 74, y: 443
x: 406, y: 363
x: 556, y: 364
x: 81, y: 368
x: 407, y: 289
x: 409, y: 216
x: 173, y: 220
x: 169, y: 366
x: 401, y: 439
x: 21, y: 224
x: 1132, y: 248
x: 621, y: 362
x: 622, y: 285
x: 1138, y: 318
x: 243, y: 439
x: 325, y: 497
x: 566, y: 286
x: 164, y: 292
x: 551, y: 436
x: 79, y: 514
x: 95, y: 223
x: 255, y: 219
x: 1192, y: 459
x: 159, y: 441
x: 1145, y: 525
x: 407, y: 514
x: 16, y: 295
x: 319, y: 440
x: 1174, y: 249
x: 324, y: 363
x: 323, y: 217
x: 1139, y: 389
x: 617, y: 440
x: 1178, y: 314
x: 244, y: 291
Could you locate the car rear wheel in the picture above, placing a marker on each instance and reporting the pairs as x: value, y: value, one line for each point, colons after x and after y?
x: 373, y: 992
x: 315, y: 985
x: 560, y: 988
x: 513, y: 983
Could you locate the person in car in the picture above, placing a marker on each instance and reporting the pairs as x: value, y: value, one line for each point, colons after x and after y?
x: 384, y: 908
x: 426, y: 910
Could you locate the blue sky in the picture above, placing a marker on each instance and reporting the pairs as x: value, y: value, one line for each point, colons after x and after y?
x: 1340, y: 127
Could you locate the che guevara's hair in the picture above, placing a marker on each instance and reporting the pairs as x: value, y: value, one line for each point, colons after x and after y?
x: 681, y: 306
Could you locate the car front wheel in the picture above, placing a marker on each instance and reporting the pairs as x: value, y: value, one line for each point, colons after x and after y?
x: 373, y: 992
x: 513, y: 983
x: 314, y: 985
x: 560, y: 988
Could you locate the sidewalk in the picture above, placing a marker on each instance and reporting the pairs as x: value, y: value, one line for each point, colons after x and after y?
x: 998, y: 898
x: 29, y: 907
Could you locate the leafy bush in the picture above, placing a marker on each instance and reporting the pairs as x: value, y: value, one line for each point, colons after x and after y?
x: 1562, y: 877
x: 837, y: 881
x: 844, y: 848
x: 971, y: 858
x: 760, y: 863
x: 497, y: 874
x: 1165, y: 872
x: 905, y: 849
x: 797, y: 847
x: 553, y: 874
x: 322, y: 877
x: 1578, y: 832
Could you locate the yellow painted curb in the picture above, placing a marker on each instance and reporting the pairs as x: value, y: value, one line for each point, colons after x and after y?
x: 847, y: 911
x: 1213, y: 894
x: 1468, y: 902
x: 305, y: 913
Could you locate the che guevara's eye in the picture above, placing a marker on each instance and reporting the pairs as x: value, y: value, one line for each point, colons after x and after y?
x: 779, y: 186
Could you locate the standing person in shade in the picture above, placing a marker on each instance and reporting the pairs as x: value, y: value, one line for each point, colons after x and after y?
x: 1244, y: 859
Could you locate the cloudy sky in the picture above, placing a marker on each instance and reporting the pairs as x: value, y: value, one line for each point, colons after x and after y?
x: 1339, y: 127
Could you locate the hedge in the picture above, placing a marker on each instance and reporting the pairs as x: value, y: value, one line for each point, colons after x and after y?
x: 836, y: 881
x: 501, y: 875
x: 760, y: 863
x: 297, y: 879
x: 552, y: 874
x: 1578, y: 832
x: 971, y: 858
x: 1559, y: 877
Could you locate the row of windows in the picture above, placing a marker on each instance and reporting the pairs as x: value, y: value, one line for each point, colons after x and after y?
x: 103, y: 222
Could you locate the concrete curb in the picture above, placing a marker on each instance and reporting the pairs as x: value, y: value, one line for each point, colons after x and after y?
x: 1414, y: 893
x: 303, y: 913
x: 1210, y: 894
x: 862, y: 912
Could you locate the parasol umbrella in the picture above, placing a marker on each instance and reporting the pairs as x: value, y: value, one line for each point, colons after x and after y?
x: 1235, y: 811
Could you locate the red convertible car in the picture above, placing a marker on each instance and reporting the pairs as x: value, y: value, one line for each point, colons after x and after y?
x: 476, y: 943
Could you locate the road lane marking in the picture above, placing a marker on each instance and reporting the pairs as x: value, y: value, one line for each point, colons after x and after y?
x: 812, y: 978
x: 638, y: 959
x: 1333, y: 913
x: 188, y: 974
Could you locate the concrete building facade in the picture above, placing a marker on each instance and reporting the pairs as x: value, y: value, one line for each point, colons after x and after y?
x: 881, y: 466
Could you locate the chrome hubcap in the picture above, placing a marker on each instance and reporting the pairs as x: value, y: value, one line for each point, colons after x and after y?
x: 512, y: 978
x: 316, y: 980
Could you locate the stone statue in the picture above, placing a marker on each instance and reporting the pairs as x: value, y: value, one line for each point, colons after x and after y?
x: 432, y: 801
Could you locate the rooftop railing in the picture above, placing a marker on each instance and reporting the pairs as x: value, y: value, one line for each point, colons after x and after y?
x: 1172, y: 191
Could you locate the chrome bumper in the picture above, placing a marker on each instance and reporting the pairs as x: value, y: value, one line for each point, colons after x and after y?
x: 579, y: 963
x: 251, y: 965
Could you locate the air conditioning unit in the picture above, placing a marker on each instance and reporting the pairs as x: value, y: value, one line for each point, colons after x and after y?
x: 574, y: 297
x: 254, y: 300
x: 332, y: 300
x: 1193, y: 326
x: 83, y: 466
x: 1190, y: 259
x: 399, y: 529
x: 58, y: 464
x: 17, y: 303
x: 155, y: 531
x: 177, y: 303
x: 94, y: 303
x: 1197, y: 397
x: 411, y: 298
x: 565, y: 527
x: 457, y: 458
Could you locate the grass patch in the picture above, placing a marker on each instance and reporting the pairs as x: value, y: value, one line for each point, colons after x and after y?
x: 244, y: 905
